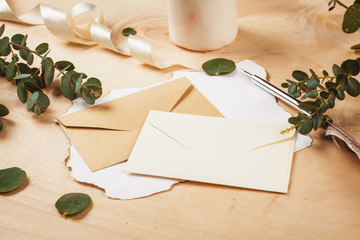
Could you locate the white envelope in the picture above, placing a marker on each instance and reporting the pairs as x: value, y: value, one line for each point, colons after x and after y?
x: 214, y: 150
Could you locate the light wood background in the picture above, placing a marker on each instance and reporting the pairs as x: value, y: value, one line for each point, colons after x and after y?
x: 324, y: 197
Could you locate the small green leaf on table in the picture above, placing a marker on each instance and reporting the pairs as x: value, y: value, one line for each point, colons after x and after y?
x: 72, y: 203
x: 218, y: 66
x: 11, y: 179
x: 128, y: 31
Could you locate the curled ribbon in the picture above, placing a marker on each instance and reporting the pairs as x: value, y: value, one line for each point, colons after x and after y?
x: 62, y: 26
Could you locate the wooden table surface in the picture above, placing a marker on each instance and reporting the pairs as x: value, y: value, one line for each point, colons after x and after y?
x: 324, y: 195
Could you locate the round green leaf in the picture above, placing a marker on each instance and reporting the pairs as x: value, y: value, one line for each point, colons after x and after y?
x: 30, y: 58
x: 128, y: 31
x: 85, y: 93
x: 72, y: 203
x: 351, y: 21
x: 294, y: 120
x: 305, y: 127
x: 309, y: 106
x: 4, y: 47
x: 351, y: 67
x: 2, y: 29
x: 11, y: 71
x: 91, y: 90
x: 64, y: 64
x: 24, y: 53
x: 317, y: 120
x: 3, y: 110
x: 292, y: 89
x: 11, y: 179
x: 312, y: 83
x: 299, y: 75
x: 218, y: 66
x: 49, y: 74
x: 17, y: 39
x: 32, y: 100
x: 340, y: 94
x: 22, y: 91
x: 68, y: 88
x: 322, y: 104
x: 337, y: 70
x: 23, y: 68
x: 1, y: 125
x: 285, y: 85
x: 42, y: 48
x: 353, y: 87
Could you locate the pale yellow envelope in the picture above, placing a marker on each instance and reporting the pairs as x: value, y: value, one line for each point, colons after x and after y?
x: 214, y: 150
x: 105, y: 134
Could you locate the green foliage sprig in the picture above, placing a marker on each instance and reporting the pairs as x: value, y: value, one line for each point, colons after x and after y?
x: 323, y: 90
x: 16, y: 61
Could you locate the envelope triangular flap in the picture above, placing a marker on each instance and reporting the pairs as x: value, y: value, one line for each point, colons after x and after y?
x: 217, y: 135
x: 128, y: 112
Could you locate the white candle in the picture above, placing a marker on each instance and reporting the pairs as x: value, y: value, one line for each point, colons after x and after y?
x: 202, y: 25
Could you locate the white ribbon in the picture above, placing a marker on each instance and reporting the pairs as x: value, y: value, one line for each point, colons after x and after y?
x: 62, y: 26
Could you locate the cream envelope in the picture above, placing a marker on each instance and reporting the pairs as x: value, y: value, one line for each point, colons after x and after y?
x: 214, y: 150
x: 106, y: 133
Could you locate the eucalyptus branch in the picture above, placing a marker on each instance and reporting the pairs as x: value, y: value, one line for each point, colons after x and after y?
x: 31, y: 81
x: 306, y: 86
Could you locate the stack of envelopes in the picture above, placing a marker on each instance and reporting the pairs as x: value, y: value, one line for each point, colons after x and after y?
x: 196, y: 144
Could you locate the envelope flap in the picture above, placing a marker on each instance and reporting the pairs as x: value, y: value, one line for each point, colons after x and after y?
x: 130, y: 111
x: 217, y: 135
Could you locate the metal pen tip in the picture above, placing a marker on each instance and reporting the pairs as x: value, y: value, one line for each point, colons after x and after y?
x: 246, y: 72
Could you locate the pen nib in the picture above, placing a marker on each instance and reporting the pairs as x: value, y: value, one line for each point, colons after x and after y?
x: 246, y: 72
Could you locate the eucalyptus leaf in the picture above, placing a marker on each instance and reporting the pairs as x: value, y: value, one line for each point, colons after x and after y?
x: 24, y: 53
x: 353, y: 87
x: 3, y: 110
x: 299, y: 75
x: 292, y: 89
x: 32, y: 100
x: 294, y: 120
x: 128, y: 31
x: 22, y: 91
x: 11, y: 179
x: 218, y: 66
x: 11, y: 71
x: 91, y: 90
x: 5, y: 49
x: 351, y: 66
x: 351, y: 21
x: 309, y: 106
x: 1, y: 124
x: 42, y: 48
x: 322, y: 104
x: 68, y: 88
x: 305, y: 127
x: 17, y: 39
x: 49, y: 74
x: 78, y: 82
x: 2, y: 29
x: 22, y: 76
x: 64, y: 64
x: 317, y: 120
x: 72, y: 203
x: 30, y: 58
x: 23, y: 68
x: 337, y: 70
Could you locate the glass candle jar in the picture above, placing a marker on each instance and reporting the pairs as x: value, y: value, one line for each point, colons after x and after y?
x: 202, y: 25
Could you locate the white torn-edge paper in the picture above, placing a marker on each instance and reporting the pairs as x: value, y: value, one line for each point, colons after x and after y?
x: 234, y: 95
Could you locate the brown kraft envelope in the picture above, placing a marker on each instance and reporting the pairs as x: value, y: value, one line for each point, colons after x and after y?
x: 106, y: 133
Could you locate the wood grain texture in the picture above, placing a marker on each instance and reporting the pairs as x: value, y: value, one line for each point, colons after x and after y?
x: 281, y: 36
